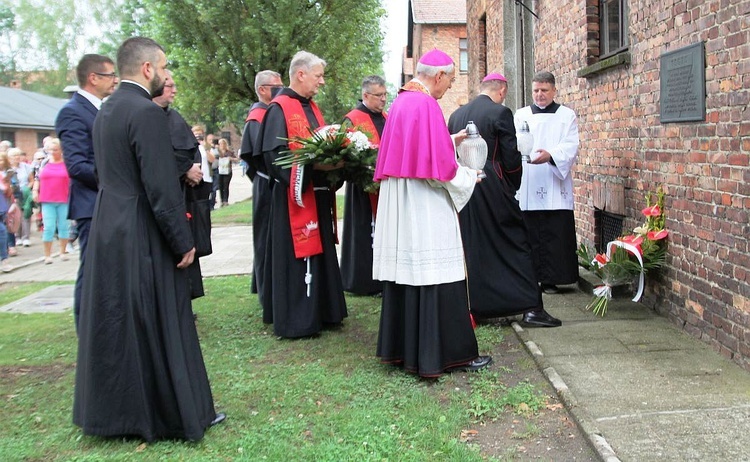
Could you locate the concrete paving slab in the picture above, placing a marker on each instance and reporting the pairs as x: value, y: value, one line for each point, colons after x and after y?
x: 701, y: 435
x: 52, y: 299
x: 232, y: 252
x: 651, y: 391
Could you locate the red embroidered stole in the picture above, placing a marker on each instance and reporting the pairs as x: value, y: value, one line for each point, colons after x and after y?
x: 303, y: 212
x: 363, y: 122
x: 256, y: 114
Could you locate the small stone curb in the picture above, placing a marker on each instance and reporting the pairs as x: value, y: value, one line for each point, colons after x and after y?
x: 580, y: 416
x: 33, y: 262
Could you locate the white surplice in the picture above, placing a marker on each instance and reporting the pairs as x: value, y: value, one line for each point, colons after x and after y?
x: 547, y: 186
x: 417, y: 237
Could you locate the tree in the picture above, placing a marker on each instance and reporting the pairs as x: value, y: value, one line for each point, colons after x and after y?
x: 7, y: 54
x: 216, y: 47
x: 44, y: 37
x: 42, y: 41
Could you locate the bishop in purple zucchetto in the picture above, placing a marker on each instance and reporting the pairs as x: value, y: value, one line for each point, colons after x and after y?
x: 495, y: 76
x: 436, y: 58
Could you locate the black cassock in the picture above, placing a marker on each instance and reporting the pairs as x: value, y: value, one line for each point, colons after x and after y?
x: 501, y: 275
x: 251, y: 153
x: 357, y: 233
x: 186, y: 154
x: 140, y: 370
x: 285, y: 300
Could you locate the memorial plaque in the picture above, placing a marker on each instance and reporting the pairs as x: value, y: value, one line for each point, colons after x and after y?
x: 683, y: 84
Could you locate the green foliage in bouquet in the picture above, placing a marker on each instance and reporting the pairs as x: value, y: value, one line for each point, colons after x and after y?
x: 342, y: 146
x: 628, y: 256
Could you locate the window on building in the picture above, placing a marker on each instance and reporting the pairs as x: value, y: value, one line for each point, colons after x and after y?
x: 613, y: 26
x: 463, y: 55
x: 40, y: 136
x: 8, y: 135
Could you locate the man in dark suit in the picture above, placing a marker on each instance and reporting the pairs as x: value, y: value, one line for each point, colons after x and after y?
x: 96, y: 80
x: 139, y: 370
x: 501, y: 275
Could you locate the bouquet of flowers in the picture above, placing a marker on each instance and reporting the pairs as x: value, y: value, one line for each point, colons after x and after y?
x: 337, y: 145
x: 629, y: 256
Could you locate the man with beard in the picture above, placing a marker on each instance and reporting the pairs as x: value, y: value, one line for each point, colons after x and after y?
x: 267, y: 83
x: 501, y: 274
x: 75, y: 121
x: 359, y: 206
x: 188, y: 159
x: 303, y: 292
x: 140, y: 370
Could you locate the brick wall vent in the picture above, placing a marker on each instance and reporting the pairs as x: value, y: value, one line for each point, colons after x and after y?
x: 608, y: 228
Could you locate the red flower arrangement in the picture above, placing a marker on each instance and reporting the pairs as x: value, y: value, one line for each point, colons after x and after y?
x: 628, y: 256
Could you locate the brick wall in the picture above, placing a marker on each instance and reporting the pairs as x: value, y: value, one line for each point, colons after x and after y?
x: 486, y: 46
x: 444, y: 37
x: 704, y: 166
x: 26, y: 140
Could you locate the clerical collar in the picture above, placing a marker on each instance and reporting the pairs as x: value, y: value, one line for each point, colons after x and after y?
x: 93, y: 99
x: 550, y: 109
x: 293, y: 94
x: 137, y: 84
x: 363, y: 107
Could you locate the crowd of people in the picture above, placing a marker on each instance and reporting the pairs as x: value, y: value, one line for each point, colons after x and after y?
x: 27, y: 189
x: 442, y: 244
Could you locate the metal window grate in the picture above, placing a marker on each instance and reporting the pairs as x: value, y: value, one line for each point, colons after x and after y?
x: 608, y: 228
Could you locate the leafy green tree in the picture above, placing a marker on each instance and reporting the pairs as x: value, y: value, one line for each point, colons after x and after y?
x: 44, y: 36
x: 216, y: 47
x: 7, y: 55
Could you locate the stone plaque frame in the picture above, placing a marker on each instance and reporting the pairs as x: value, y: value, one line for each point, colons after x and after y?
x: 683, y: 84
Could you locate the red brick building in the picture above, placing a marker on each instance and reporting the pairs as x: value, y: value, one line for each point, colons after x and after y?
x: 439, y: 24
x: 609, y: 60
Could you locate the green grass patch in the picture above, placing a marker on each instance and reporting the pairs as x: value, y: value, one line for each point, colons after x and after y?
x: 241, y: 213
x: 490, y: 396
x: 325, y: 398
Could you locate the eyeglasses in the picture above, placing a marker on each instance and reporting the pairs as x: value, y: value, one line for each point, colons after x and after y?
x: 111, y: 75
x: 271, y: 85
x: 378, y: 95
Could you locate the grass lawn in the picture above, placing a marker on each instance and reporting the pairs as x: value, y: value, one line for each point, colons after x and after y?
x: 240, y: 213
x: 320, y: 399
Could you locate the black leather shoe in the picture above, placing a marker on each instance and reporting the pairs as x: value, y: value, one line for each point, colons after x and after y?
x: 220, y: 417
x: 550, y: 289
x: 541, y: 319
x: 479, y: 363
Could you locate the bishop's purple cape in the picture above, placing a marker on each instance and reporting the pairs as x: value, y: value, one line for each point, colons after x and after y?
x: 416, y: 147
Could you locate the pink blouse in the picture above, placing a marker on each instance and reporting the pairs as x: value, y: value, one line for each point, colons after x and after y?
x: 54, y: 183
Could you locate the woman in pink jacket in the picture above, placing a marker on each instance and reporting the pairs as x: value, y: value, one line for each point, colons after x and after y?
x: 51, y: 191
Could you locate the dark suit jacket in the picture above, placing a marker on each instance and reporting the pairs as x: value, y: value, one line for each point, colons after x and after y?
x: 73, y: 126
x: 495, y: 124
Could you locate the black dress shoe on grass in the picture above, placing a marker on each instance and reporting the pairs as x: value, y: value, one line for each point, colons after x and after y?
x: 220, y: 417
x: 541, y: 319
x: 479, y: 363
x: 550, y: 289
